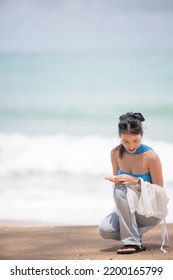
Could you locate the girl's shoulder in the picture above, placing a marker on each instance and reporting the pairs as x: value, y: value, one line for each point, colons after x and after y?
x: 151, y: 155
x: 115, y: 151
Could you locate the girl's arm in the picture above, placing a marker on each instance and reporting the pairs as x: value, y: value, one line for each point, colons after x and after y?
x: 114, y: 161
x: 155, y: 169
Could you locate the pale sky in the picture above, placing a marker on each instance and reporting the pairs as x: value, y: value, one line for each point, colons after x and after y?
x: 39, y: 25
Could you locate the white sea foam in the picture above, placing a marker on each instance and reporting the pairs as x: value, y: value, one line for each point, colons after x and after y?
x: 22, y: 155
x: 60, y: 178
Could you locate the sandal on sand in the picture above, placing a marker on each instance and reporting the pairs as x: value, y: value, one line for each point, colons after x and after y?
x: 130, y: 249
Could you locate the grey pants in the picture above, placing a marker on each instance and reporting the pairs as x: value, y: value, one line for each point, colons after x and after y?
x: 122, y: 224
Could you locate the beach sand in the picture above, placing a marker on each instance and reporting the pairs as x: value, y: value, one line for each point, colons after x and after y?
x: 44, y: 242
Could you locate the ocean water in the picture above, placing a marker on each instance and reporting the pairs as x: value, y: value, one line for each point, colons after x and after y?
x: 58, y: 123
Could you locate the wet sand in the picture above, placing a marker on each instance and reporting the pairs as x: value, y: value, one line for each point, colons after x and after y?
x: 45, y: 242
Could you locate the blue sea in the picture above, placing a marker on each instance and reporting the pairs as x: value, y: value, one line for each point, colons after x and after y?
x: 58, y: 122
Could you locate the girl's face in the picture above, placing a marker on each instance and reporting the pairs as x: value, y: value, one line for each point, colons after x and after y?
x: 131, y: 141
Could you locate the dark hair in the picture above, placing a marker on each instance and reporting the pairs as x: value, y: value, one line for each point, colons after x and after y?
x: 129, y: 123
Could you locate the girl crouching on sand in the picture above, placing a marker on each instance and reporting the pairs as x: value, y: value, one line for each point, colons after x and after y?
x: 135, y: 166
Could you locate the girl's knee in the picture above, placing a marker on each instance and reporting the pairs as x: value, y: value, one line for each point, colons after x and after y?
x: 107, y: 232
x: 104, y: 232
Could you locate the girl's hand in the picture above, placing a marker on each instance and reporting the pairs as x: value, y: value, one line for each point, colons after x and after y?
x: 112, y: 178
x: 123, y: 179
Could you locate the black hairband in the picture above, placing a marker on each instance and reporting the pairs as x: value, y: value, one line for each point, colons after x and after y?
x: 138, y: 116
